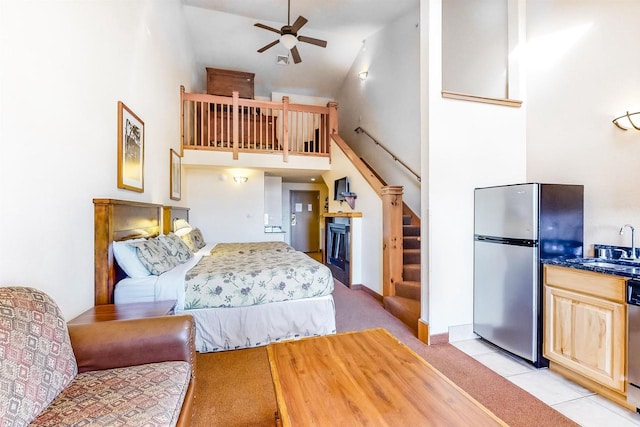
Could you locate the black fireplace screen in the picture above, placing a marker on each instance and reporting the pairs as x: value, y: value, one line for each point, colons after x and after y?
x: 338, y: 245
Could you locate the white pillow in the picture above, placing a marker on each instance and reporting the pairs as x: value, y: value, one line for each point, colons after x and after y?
x: 181, y: 227
x: 128, y: 260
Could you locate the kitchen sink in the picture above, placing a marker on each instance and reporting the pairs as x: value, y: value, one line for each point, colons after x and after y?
x: 602, y: 264
x: 615, y: 266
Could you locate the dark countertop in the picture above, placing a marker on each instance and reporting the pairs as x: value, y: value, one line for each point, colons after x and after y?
x: 624, y: 268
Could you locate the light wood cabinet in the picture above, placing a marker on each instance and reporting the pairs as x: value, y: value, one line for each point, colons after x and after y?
x: 585, y: 324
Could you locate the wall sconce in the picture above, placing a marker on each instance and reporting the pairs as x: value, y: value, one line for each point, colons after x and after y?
x: 362, y: 75
x: 624, y: 122
x: 240, y: 179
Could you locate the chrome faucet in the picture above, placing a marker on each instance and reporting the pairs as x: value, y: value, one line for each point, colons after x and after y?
x: 633, y: 239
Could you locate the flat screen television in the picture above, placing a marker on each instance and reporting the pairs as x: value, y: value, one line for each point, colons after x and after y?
x: 340, y: 186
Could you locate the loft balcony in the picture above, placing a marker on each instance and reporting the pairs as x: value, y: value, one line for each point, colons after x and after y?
x: 231, y: 126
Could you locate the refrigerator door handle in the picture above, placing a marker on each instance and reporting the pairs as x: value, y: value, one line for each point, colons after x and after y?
x: 506, y: 241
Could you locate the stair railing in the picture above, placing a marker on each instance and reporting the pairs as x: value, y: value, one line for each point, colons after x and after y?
x: 360, y: 130
x: 392, y: 238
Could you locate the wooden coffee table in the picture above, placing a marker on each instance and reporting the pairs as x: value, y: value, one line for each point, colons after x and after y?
x: 366, y: 378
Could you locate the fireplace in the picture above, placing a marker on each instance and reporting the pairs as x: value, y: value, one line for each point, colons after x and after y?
x: 338, y: 248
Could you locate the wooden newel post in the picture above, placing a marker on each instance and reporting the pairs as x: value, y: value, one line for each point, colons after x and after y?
x: 392, y: 243
x: 181, y: 120
x: 333, y: 117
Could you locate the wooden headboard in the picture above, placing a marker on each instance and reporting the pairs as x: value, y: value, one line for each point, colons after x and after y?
x: 116, y: 220
x: 170, y: 214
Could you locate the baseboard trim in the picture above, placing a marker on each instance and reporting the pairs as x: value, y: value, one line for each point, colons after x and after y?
x: 423, y: 331
x: 373, y: 293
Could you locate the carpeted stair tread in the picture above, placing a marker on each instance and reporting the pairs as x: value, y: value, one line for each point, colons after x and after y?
x: 411, y: 242
x: 405, y: 309
x: 411, y: 256
x: 410, y: 230
x: 406, y: 219
x: 408, y: 289
x: 411, y: 272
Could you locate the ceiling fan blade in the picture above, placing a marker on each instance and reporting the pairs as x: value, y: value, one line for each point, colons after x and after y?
x: 317, y: 42
x: 295, y: 55
x: 298, y: 24
x: 270, y: 45
x: 266, y: 27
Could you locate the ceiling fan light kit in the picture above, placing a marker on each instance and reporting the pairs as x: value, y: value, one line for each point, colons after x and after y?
x: 288, y: 40
x: 289, y: 36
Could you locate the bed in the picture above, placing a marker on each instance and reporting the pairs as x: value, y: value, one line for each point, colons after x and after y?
x: 240, y: 294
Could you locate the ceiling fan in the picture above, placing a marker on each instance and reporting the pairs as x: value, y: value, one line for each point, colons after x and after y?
x: 289, y: 36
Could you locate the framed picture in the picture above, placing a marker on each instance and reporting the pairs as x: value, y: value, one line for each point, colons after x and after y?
x: 130, y: 150
x: 174, y: 180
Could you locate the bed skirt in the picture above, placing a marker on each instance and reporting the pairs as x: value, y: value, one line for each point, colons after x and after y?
x: 258, y: 325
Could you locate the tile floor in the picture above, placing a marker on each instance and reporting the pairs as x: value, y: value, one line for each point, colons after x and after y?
x: 574, y: 401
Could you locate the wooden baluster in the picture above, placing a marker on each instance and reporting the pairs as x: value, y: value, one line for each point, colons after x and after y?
x: 252, y: 129
x: 313, y: 131
x: 204, y: 114
x: 235, y: 124
x: 239, y: 126
x: 198, y: 107
x: 260, y: 134
x: 298, y: 131
x: 285, y: 128
x: 207, y: 127
x: 227, y: 127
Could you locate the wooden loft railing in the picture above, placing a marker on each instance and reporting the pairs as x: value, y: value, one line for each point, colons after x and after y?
x: 234, y: 124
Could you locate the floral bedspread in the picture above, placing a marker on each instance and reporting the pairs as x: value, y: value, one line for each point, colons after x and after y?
x: 233, y: 279
x: 250, y: 247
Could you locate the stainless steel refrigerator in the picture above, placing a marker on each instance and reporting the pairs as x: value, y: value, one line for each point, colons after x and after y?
x: 515, y: 227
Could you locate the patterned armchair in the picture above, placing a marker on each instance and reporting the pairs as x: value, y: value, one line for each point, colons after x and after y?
x: 130, y: 372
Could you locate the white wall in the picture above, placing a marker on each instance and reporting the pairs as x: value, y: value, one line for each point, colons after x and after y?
x: 367, y: 259
x: 387, y: 104
x: 583, y: 72
x: 63, y: 68
x: 273, y: 201
x: 225, y: 210
x: 467, y: 145
x: 475, y: 38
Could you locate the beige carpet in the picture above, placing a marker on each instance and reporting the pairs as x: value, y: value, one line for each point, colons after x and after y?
x: 234, y: 388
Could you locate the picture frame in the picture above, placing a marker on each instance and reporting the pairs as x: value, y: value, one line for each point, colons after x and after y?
x: 130, y: 150
x: 175, y: 175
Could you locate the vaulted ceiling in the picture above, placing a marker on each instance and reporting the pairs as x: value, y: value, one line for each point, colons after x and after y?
x: 224, y: 36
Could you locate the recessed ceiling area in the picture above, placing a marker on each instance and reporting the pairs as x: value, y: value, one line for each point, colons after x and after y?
x: 223, y: 35
x: 297, y: 176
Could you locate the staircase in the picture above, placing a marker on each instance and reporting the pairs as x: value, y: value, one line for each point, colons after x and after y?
x: 405, y: 305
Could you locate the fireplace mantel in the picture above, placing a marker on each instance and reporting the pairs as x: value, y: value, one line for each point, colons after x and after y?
x: 342, y: 214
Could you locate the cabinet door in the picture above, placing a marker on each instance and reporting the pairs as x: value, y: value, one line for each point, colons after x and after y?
x: 586, y: 334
